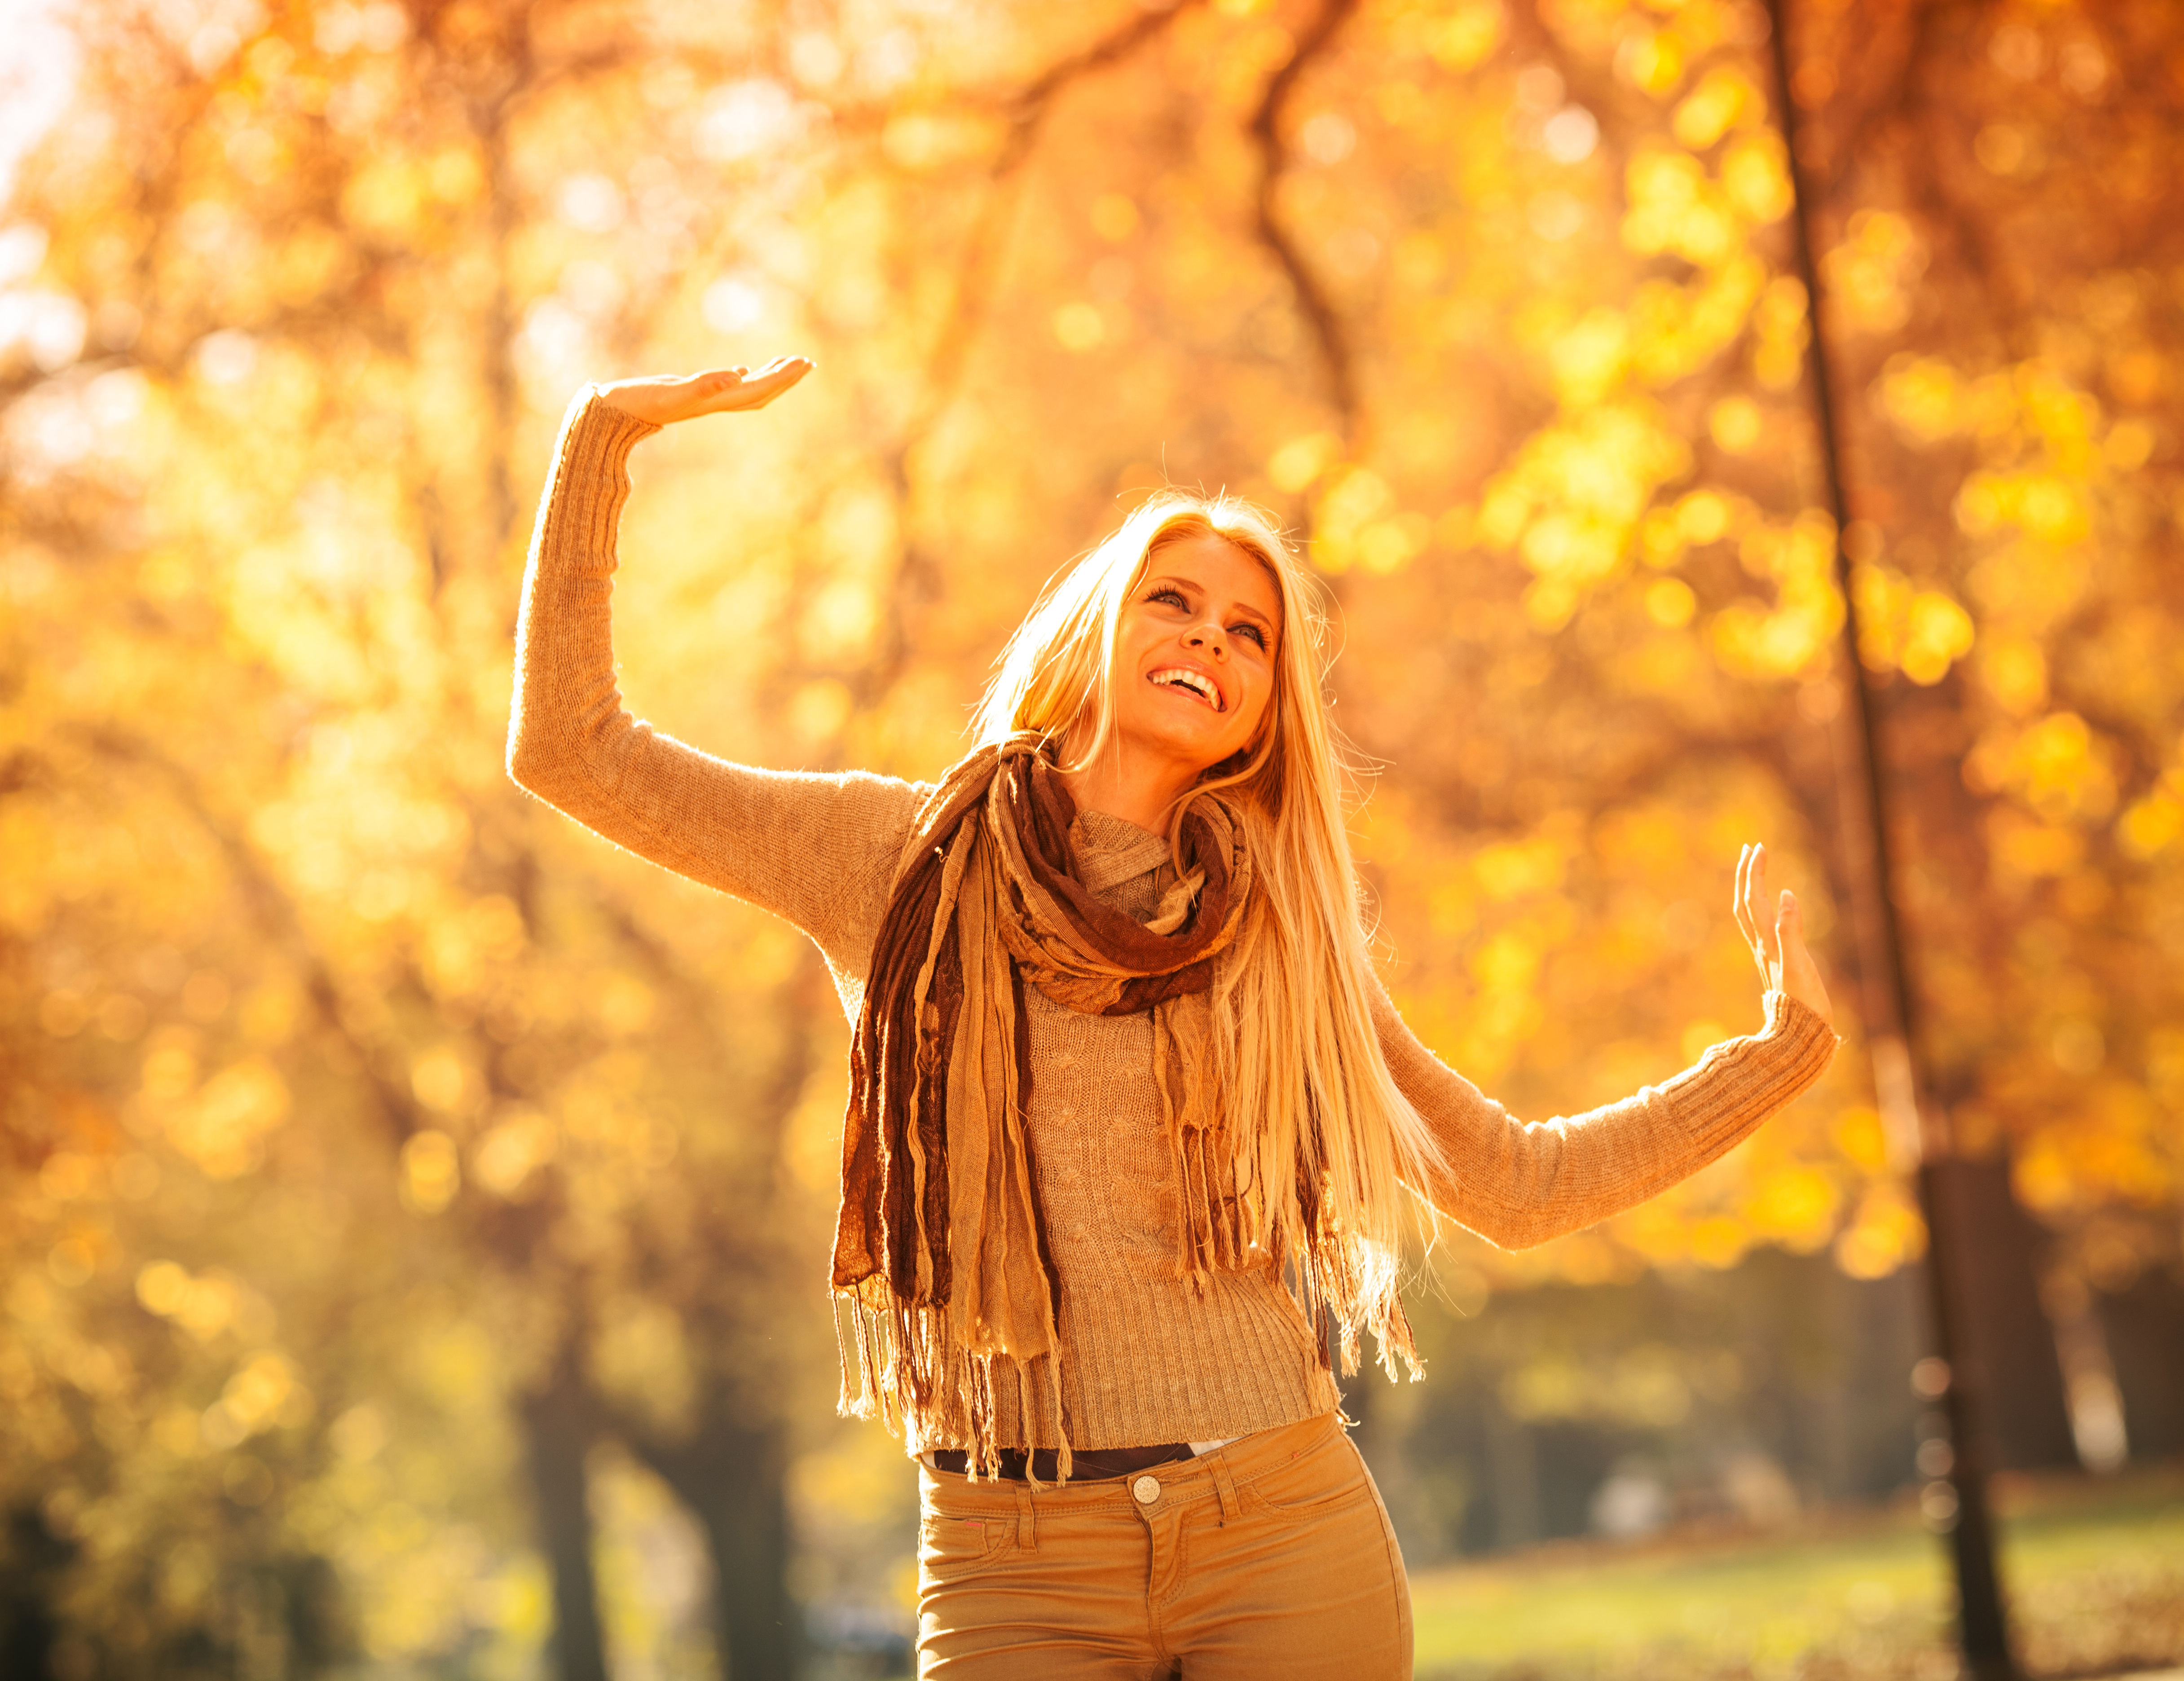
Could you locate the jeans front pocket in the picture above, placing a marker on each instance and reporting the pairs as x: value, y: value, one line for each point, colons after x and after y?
x: 952, y: 1546
x: 1324, y: 1479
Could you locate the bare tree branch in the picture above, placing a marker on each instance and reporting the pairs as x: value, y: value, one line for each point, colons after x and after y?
x: 1312, y: 299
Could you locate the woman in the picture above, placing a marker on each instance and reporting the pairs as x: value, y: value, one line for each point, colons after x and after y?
x: 1129, y: 1110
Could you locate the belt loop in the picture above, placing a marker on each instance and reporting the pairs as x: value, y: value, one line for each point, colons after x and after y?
x: 1225, y: 1486
x: 1027, y: 1526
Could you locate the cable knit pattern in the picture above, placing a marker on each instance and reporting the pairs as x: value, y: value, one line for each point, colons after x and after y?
x: 1148, y: 1359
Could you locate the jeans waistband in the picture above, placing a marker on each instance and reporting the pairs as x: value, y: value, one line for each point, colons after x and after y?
x: 1090, y: 1466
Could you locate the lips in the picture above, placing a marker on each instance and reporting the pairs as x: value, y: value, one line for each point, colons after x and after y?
x: 1189, y: 680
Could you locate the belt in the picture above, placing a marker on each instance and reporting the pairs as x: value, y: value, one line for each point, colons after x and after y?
x: 1086, y: 1467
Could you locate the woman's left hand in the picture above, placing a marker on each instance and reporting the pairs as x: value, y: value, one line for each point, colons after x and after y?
x: 1785, y: 965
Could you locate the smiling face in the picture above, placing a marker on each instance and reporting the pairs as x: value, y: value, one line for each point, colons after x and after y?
x: 1196, y: 653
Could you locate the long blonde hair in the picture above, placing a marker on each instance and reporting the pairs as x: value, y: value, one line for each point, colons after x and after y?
x: 1325, y: 1136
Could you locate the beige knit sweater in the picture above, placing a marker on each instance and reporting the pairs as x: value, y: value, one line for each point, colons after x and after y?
x: 1146, y: 1358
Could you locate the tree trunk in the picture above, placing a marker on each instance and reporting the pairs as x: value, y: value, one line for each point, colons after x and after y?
x: 2145, y: 1326
x: 734, y: 1480
x: 2007, y: 1336
x: 557, y: 1428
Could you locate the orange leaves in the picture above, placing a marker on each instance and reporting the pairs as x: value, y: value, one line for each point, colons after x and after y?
x: 1870, y: 274
x: 1571, y: 500
x: 1795, y: 636
x: 2155, y: 822
x: 1921, y: 632
x: 1358, y: 524
x: 2056, y: 766
x: 432, y: 1172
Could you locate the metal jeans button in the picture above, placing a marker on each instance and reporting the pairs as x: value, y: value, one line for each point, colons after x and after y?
x: 1146, y: 1490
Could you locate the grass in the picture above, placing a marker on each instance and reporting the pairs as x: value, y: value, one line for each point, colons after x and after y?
x: 2095, y: 1572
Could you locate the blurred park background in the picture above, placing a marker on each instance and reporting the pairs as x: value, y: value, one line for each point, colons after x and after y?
x: 413, y: 1212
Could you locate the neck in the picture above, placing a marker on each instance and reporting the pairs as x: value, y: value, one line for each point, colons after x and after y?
x: 1138, y: 787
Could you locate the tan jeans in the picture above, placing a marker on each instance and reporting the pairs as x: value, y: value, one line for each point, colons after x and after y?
x: 1271, y: 1557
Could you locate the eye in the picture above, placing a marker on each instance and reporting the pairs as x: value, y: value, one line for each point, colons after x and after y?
x: 1251, y: 630
x: 1167, y: 592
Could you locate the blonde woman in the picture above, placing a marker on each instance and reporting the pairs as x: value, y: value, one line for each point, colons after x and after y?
x: 1130, y: 1112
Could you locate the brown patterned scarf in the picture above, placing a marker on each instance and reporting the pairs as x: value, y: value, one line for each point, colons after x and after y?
x: 941, y: 1244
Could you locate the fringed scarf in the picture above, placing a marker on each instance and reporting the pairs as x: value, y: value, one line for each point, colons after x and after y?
x: 940, y: 1245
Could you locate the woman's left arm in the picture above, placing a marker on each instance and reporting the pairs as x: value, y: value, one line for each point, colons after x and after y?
x: 1518, y: 1184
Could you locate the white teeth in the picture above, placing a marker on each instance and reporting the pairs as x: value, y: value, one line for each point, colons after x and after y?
x: 1195, y: 682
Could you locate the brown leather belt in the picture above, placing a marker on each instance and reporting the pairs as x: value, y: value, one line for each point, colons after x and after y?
x: 1085, y: 1467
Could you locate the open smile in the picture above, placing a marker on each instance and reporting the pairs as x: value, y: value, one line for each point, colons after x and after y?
x: 1189, y: 681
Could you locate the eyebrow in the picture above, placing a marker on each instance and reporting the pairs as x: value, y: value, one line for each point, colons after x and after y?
x: 1193, y: 585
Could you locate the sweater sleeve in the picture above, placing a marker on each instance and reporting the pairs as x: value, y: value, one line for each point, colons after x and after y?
x: 818, y: 849
x: 1518, y: 1184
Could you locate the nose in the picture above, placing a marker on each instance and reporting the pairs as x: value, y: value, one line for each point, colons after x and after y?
x: 1210, y: 636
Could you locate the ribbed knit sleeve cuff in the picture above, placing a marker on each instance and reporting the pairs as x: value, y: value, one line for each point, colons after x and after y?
x: 592, y: 474
x: 1739, y: 1084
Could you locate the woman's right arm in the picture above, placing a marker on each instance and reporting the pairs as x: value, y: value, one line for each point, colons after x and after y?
x: 819, y: 851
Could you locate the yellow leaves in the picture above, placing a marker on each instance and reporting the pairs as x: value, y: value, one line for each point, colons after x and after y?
x: 386, y: 198
x: 2021, y: 850
x: 744, y: 119
x: 223, y: 1128
x: 268, y: 1390
x: 463, y: 946
x: 1357, y: 524
x: 625, y: 1005
x: 517, y: 1146
x: 2014, y: 671
x: 1862, y: 1139
x: 2045, y: 505
x: 1922, y: 632
x: 1755, y: 178
x: 1587, y: 358
x: 1078, y: 328
x: 1675, y: 209
x: 443, y: 1082
x: 2111, y: 1143
x: 1670, y: 602
x: 1457, y: 37
x: 1570, y: 500
x: 203, y: 1304
x: 432, y: 1173
x: 1298, y: 462
x: 1795, y: 1205
x: 1115, y: 217
x: 455, y: 176
x: 1652, y: 61
x: 306, y: 262
x: 1515, y: 869
x: 921, y: 141
x: 1870, y: 273
x: 1780, y: 326
x: 1921, y: 395
x: 1507, y: 964
x: 820, y: 708
x: 1699, y: 518
x: 1884, y: 1234
x: 2154, y: 823
x: 2056, y: 766
x: 838, y: 624
x: 1725, y: 97
x: 1647, y: 1387
x: 2129, y: 445
x: 1735, y: 423
x: 1753, y: 641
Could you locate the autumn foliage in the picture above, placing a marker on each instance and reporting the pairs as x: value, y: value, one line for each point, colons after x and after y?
x: 377, y: 1146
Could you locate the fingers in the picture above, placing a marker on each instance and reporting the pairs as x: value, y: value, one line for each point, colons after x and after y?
x: 1749, y: 863
x: 1751, y: 922
x: 755, y: 390
x: 1801, y: 976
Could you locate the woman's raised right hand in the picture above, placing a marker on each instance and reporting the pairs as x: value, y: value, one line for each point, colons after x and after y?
x: 662, y: 399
